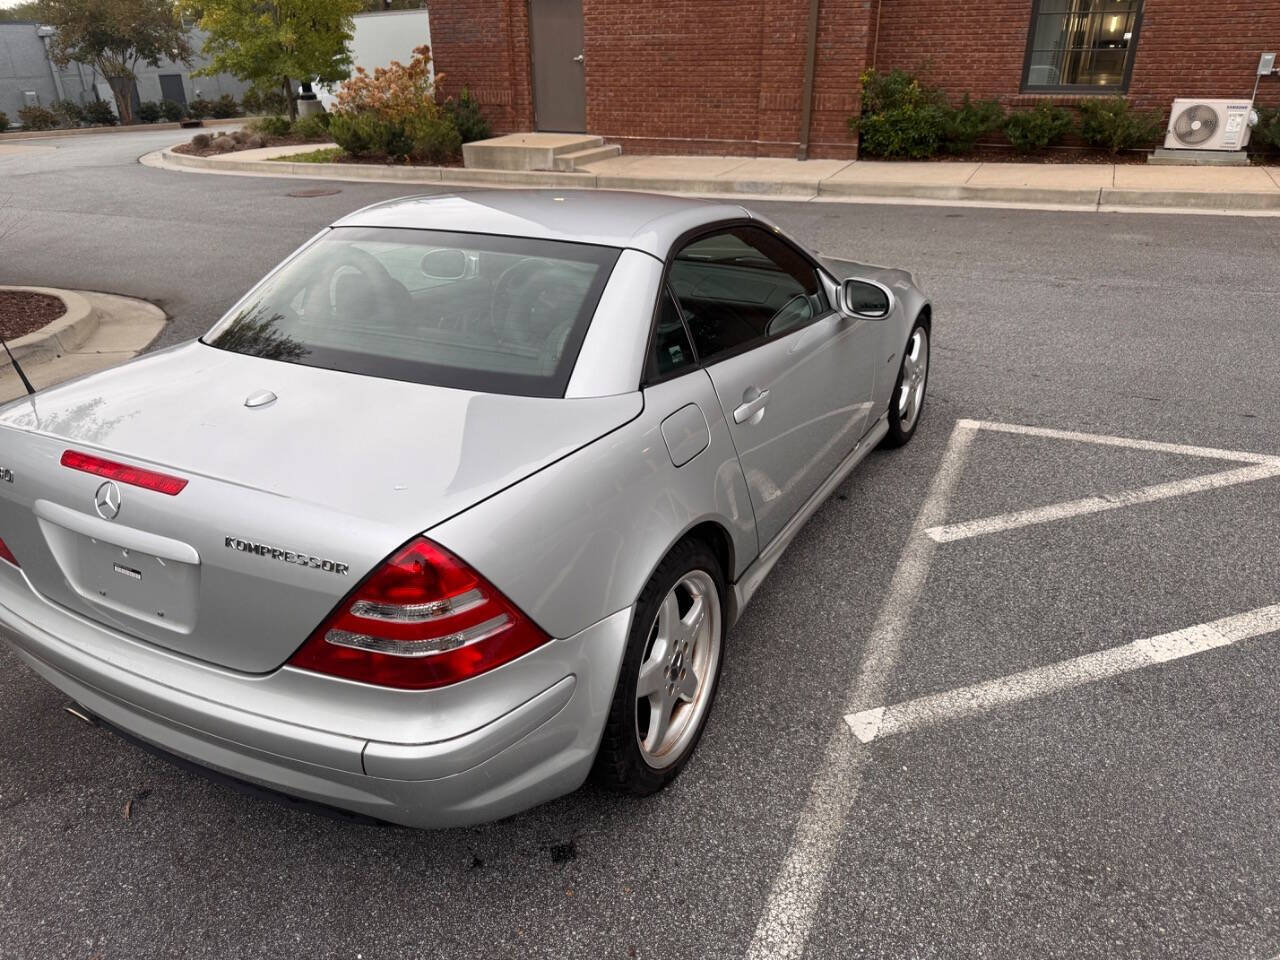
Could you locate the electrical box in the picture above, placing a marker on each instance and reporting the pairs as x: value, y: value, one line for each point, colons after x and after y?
x: 1266, y: 63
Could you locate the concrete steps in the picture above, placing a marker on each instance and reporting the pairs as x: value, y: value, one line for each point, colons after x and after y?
x: 536, y: 151
x: 580, y: 158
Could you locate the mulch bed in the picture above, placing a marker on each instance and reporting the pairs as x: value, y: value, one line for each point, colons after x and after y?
x: 22, y: 312
x: 270, y: 142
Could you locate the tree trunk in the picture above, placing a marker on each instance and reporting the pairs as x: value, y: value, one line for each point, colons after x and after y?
x: 289, y: 99
x: 122, y: 90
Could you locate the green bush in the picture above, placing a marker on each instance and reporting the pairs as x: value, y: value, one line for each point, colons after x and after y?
x: 225, y: 106
x: 435, y: 138
x: 1037, y: 128
x: 37, y: 118
x: 149, y: 112
x: 98, y: 113
x: 467, y: 117
x: 199, y: 108
x: 172, y: 111
x: 366, y: 135
x: 966, y: 123
x: 4, y: 121
x: 1108, y: 122
x: 269, y: 102
x: 314, y: 126
x: 67, y: 112
x: 271, y: 126
x: 902, y: 117
x: 1267, y: 132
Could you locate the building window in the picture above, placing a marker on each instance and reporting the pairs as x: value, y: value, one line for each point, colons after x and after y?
x: 1081, y: 46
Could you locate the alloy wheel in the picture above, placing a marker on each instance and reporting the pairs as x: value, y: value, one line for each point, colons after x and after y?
x: 915, y: 374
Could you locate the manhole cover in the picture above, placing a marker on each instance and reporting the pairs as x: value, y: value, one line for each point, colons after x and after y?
x: 314, y: 192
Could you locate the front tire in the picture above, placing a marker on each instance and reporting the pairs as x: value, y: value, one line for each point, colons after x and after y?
x: 907, y: 400
x: 669, y: 675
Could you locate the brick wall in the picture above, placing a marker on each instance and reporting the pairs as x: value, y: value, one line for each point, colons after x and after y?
x: 1185, y: 48
x: 727, y: 76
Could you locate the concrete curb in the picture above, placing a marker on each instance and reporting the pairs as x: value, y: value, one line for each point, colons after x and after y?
x: 63, y: 335
x: 131, y: 128
x: 1090, y: 198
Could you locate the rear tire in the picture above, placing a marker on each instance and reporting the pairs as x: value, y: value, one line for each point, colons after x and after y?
x: 670, y: 672
x: 906, y: 403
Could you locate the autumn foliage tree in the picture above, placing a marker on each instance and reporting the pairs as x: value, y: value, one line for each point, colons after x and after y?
x: 279, y: 43
x: 113, y: 37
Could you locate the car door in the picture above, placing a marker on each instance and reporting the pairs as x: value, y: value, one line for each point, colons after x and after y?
x: 793, y: 376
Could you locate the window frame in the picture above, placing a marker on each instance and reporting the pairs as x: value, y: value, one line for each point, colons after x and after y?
x: 825, y: 280
x: 1078, y: 89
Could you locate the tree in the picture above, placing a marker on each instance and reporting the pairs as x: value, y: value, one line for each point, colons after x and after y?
x: 278, y: 43
x: 21, y: 12
x: 113, y: 37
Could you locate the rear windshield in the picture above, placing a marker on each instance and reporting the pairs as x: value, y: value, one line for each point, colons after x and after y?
x: 478, y: 312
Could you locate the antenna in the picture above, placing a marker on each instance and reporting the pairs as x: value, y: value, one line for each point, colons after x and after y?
x: 18, y: 367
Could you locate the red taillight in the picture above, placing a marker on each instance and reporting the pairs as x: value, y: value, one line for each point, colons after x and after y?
x: 134, y: 476
x: 422, y: 619
x: 7, y: 555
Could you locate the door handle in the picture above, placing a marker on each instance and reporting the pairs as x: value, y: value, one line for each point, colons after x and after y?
x: 578, y: 59
x: 754, y: 400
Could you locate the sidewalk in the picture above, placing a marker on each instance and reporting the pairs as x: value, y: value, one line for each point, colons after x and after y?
x: 1073, y: 186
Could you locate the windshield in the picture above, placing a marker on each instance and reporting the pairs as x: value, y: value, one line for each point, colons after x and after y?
x: 477, y: 312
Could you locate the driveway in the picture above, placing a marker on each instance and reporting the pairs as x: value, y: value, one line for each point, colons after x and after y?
x: 1011, y: 692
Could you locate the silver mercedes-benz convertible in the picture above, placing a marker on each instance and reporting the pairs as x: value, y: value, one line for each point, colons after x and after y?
x: 456, y: 507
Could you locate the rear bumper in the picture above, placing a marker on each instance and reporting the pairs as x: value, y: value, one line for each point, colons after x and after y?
x: 510, y: 739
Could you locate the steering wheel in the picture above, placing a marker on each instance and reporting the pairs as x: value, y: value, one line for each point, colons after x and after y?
x: 392, y: 299
x: 502, y: 304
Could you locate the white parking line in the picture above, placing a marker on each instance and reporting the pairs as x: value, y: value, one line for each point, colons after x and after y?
x: 783, y: 929
x: 880, y: 722
x: 1262, y: 467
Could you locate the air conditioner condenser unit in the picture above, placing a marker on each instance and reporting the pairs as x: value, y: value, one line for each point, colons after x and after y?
x: 1208, y: 124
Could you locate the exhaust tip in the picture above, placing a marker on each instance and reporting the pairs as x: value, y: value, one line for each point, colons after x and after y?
x: 80, y: 714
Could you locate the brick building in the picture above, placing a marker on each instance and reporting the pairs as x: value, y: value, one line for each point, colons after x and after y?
x: 780, y: 77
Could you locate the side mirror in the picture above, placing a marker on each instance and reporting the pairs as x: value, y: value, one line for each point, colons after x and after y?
x: 444, y: 264
x: 866, y: 299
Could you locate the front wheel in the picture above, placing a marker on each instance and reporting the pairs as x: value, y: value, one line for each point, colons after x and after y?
x: 908, y: 393
x: 669, y: 674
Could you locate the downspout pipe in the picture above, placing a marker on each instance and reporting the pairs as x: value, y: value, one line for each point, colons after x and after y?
x: 810, y: 64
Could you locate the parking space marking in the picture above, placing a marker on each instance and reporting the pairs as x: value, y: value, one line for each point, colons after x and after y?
x: 784, y: 925
x: 979, y: 698
x: 1262, y: 466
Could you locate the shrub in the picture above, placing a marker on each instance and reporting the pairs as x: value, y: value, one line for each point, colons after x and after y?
x: 393, y: 93
x: 172, y: 111
x: 255, y: 141
x: 223, y: 144
x: 268, y: 102
x: 225, y: 106
x: 467, y: 118
x: 1038, y: 128
x: 37, y: 118
x: 966, y: 123
x: 201, y: 141
x: 149, y: 112
x: 199, y: 108
x: 1108, y: 122
x: 98, y: 113
x: 270, y: 126
x: 314, y: 126
x: 900, y: 116
x: 239, y: 136
x: 67, y: 112
x: 4, y: 121
x: 435, y: 138
x: 1267, y: 132
x: 367, y: 135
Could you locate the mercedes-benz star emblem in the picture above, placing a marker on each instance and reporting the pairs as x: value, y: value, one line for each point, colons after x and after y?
x: 107, y: 500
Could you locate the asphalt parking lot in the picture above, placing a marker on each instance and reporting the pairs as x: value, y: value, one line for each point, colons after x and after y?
x: 1010, y: 694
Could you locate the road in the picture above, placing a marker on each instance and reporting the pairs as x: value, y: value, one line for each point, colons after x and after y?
x: 1106, y: 801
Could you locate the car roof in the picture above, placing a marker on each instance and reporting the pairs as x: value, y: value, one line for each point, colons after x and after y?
x: 648, y: 222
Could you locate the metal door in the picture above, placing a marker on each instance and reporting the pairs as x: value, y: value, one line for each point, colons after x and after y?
x: 171, y: 88
x: 559, y: 84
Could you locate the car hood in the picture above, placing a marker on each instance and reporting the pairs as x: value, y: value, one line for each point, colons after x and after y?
x: 405, y: 454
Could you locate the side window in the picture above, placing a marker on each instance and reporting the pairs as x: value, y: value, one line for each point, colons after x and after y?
x: 743, y: 285
x: 671, y: 349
